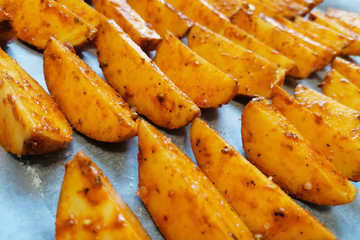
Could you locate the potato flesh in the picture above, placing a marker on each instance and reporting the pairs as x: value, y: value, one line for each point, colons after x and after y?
x: 343, y: 118
x: 201, y: 212
x: 129, y: 21
x: 305, y: 59
x: 166, y: 18
x: 349, y: 70
x: 257, y: 200
x: 206, y: 85
x: 140, y: 82
x: 256, y: 76
x: 292, y: 162
x: 37, y: 20
x: 340, y: 150
x: 90, y: 208
x: 89, y: 103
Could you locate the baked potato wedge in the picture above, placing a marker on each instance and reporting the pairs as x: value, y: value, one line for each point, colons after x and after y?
x: 36, y: 20
x: 348, y: 20
x: 88, y: 102
x: 288, y: 9
x: 258, y: 7
x: 183, y: 203
x: 31, y: 122
x: 90, y: 208
x: 256, y: 76
x: 140, y: 82
x: 320, y: 18
x: 129, y: 21
x: 162, y: 16
x: 292, y: 162
x: 206, y: 85
x: 306, y: 60
x: 342, y: 151
x: 261, y: 204
x: 337, y: 115
x: 349, y: 70
x: 226, y: 7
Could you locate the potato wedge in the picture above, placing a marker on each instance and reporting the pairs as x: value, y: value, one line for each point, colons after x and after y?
x: 37, y: 20
x: 226, y: 7
x: 320, y: 18
x: 349, y: 70
x: 88, y: 102
x: 348, y: 20
x: 288, y: 9
x: 162, y: 16
x: 206, y: 85
x: 306, y: 60
x: 256, y: 76
x: 258, y: 7
x: 129, y: 21
x: 261, y: 204
x: 140, y: 82
x: 341, y: 151
x: 201, y: 12
x: 31, y: 122
x: 278, y: 149
x: 337, y: 115
x: 90, y: 208
x: 341, y: 89
x: 327, y: 35
x: 201, y: 212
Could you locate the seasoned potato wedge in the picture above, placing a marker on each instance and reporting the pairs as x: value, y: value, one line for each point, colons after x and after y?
x: 206, y: 85
x: 89, y: 103
x: 140, y: 82
x: 343, y: 152
x: 201, y: 12
x: 288, y: 9
x: 305, y: 59
x: 256, y: 76
x: 326, y: 34
x: 347, y: 19
x: 343, y: 118
x: 31, y: 122
x: 129, y: 21
x: 278, y: 149
x: 320, y: 18
x: 183, y: 203
x: 90, y: 208
x: 258, y: 7
x: 341, y: 89
x: 37, y: 20
x: 261, y: 204
x: 7, y: 33
x: 349, y: 70
x: 162, y: 16
x: 226, y: 7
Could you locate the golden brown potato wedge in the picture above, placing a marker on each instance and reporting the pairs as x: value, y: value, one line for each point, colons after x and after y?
x: 256, y: 76
x: 201, y: 12
x: 206, y: 85
x: 341, y: 89
x: 88, y: 102
x: 140, y: 82
x: 343, y: 152
x: 261, y: 204
x: 349, y: 70
x: 278, y: 149
x: 162, y: 16
x: 31, y: 122
x: 320, y: 18
x: 129, y: 21
x: 348, y: 20
x: 90, y: 208
x: 37, y: 20
x: 183, y: 203
x: 226, y: 7
x: 343, y: 118
x: 306, y: 60
x: 288, y: 9
x: 258, y: 7
x: 327, y: 35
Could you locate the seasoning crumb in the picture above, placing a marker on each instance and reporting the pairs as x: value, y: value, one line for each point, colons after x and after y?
x: 87, y: 222
x: 308, y: 186
x: 267, y: 226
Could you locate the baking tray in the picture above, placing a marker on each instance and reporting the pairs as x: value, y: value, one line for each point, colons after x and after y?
x: 30, y: 186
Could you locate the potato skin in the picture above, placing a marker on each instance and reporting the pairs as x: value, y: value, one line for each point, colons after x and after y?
x: 260, y: 203
x: 31, y: 122
x: 182, y: 202
x: 140, y: 82
x: 90, y: 208
x: 277, y: 148
x: 206, y: 85
x: 37, y: 20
